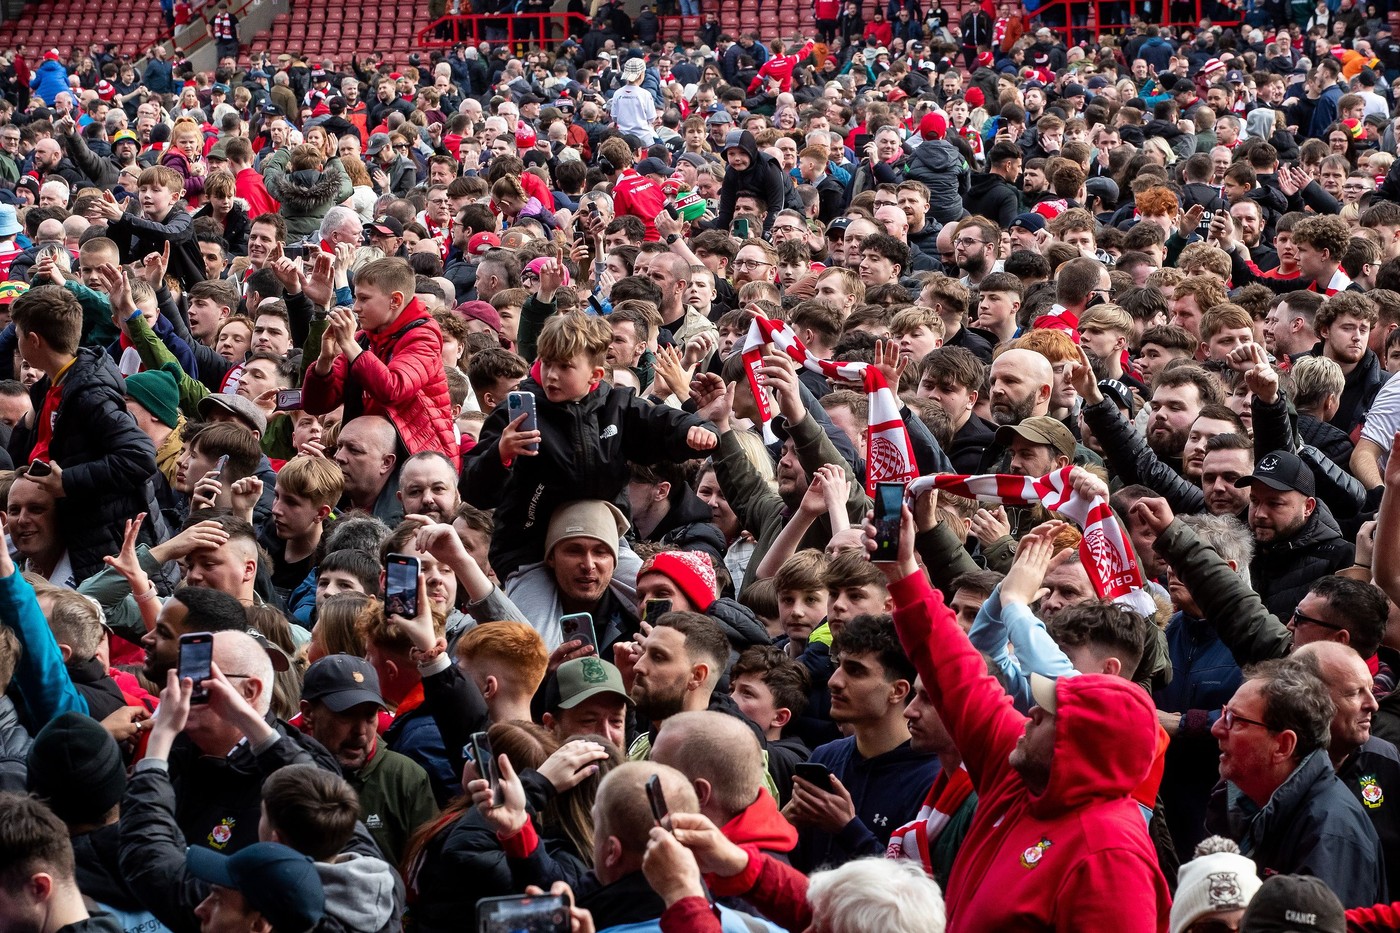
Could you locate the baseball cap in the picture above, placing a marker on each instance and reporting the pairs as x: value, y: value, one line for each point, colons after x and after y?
x: 1043, y: 692
x: 376, y: 143
x: 634, y: 69
x: 12, y: 289
x: 125, y: 136
x: 1235, y: 77
x: 583, y: 679
x: 933, y: 126
x: 482, y: 311
x: 1282, y: 471
x: 386, y: 226
x: 1122, y: 396
x: 838, y: 225
x: 1041, y: 429
x: 220, y: 88
x: 235, y: 405
x: 1029, y: 221
x: 281, y: 661
x: 341, y: 681
x: 277, y: 881
x: 587, y: 518
x: 481, y: 242
x: 1296, y: 904
x: 652, y: 166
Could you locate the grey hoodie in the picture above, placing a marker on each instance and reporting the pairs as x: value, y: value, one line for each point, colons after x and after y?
x: 1260, y: 123
x: 359, y: 893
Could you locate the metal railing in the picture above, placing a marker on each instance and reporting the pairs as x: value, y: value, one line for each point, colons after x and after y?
x: 527, y: 30
x: 1076, y: 19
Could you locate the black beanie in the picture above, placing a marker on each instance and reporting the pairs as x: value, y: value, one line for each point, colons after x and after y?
x: 76, y: 767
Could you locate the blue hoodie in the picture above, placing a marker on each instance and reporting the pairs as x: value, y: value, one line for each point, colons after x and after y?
x: 50, y: 78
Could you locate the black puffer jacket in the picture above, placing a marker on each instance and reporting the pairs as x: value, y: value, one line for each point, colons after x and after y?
x: 764, y: 178
x: 938, y: 164
x: 137, y: 238
x: 14, y: 749
x: 1284, y: 571
x: 1328, y: 439
x: 105, y: 458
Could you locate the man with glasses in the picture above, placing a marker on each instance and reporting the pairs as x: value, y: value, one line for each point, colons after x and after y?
x: 1279, y: 796
x: 10, y: 156
x: 756, y: 262
x: 975, y: 244
x: 788, y: 225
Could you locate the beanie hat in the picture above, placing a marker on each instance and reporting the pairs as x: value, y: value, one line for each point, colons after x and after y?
x: 933, y: 125
x: 689, y: 570
x: 975, y: 97
x: 76, y: 767
x: 158, y: 393
x: 1218, y: 881
x: 52, y: 56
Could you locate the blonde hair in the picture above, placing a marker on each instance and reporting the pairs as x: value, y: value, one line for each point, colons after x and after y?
x: 566, y: 336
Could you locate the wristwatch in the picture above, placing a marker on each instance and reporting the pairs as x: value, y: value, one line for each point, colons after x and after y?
x: 671, y: 238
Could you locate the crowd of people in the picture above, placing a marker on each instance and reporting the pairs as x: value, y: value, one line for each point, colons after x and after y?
x: 927, y: 476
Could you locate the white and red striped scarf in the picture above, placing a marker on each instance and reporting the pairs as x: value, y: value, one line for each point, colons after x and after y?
x: 889, y: 453
x: 1104, y: 549
x: 914, y: 839
x: 1340, y: 282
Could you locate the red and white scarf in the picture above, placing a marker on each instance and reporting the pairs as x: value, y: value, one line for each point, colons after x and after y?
x: 1340, y: 282
x: 890, y: 455
x: 1104, y: 549
x: 914, y: 839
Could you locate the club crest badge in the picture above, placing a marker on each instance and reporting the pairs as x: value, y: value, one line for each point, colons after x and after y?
x: 220, y: 835
x: 1371, y: 794
x: 1032, y: 856
x: 1225, y: 889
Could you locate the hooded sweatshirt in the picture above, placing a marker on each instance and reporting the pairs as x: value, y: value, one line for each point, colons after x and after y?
x: 763, y: 179
x: 1076, y: 856
x: 359, y: 892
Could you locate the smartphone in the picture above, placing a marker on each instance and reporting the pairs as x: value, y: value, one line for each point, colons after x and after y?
x: 518, y: 403
x: 862, y: 140
x: 889, y: 498
x: 545, y: 913
x: 741, y: 228
x: 39, y: 468
x: 1203, y: 228
x: 579, y: 627
x: 816, y: 775
x: 486, y: 765
x: 657, y: 799
x: 593, y: 208
x: 654, y: 609
x: 401, y: 586
x: 289, y: 400
x: 220, y: 464
x: 196, y: 662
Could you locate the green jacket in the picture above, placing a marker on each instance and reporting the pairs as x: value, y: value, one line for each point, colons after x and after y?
x: 98, y: 329
x: 759, y: 508
x: 395, y: 799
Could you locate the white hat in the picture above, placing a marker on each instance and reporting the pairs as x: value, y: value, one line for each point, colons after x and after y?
x: 634, y: 70
x: 1218, y: 881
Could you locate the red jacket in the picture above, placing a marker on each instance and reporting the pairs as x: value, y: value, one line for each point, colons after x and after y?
x: 410, y: 389
x: 780, y: 67
x: 761, y: 824
x: 641, y: 197
x: 248, y: 185
x: 1076, y: 857
x: 1382, y: 918
x: 778, y: 890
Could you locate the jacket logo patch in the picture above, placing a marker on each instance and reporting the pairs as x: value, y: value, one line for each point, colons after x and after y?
x: 609, y: 431
x: 1225, y: 888
x: 1032, y: 856
x: 1371, y: 794
x: 220, y: 835
x: 374, y: 822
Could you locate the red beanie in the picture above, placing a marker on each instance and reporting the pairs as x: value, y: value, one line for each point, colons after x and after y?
x: 689, y: 570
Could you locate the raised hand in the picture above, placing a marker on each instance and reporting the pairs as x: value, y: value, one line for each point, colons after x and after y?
x: 1022, y: 583
x: 1155, y: 514
x: 515, y: 442
x: 990, y: 525
x: 153, y: 266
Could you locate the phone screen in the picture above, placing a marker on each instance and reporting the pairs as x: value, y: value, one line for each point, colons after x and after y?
x: 288, y: 399
x: 546, y: 913
x: 889, y: 498
x: 401, y: 586
x: 196, y: 662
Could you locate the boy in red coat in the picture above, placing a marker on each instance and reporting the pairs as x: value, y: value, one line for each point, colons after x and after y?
x: 394, y: 369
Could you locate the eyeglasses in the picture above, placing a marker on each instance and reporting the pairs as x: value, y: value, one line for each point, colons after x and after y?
x: 750, y: 263
x: 964, y: 241
x: 401, y: 146
x: 887, y: 204
x: 1230, y: 718
x: 1299, y: 617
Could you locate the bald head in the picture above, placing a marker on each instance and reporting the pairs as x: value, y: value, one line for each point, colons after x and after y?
x: 237, y: 653
x: 623, y: 816
x: 1349, y: 683
x: 1021, y: 381
x: 719, y: 754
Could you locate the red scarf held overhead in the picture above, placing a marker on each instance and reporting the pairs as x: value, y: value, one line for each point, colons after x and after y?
x: 890, y: 455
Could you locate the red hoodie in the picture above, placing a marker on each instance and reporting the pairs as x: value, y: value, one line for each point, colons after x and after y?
x: 760, y: 824
x: 1076, y: 857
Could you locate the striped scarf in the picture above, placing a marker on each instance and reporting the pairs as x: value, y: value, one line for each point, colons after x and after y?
x: 889, y: 453
x: 1103, y: 550
x: 914, y: 839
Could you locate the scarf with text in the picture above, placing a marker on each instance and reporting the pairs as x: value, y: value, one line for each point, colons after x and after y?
x: 1103, y: 550
x: 889, y: 452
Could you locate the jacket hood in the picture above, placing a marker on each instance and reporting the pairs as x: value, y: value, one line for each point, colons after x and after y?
x: 309, y: 189
x: 939, y: 155
x: 1260, y: 123
x: 740, y: 625
x: 359, y: 891
x: 749, y: 145
x: 1105, y: 741
x: 760, y: 824
x: 1163, y: 128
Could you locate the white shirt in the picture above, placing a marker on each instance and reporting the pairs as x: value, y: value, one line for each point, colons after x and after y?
x: 634, y: 111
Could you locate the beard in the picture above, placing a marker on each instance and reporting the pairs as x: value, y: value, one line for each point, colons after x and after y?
x: 1169, y: 447
x: 975, y: 266
x: 1013, y: 411
x: 656, y: 703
